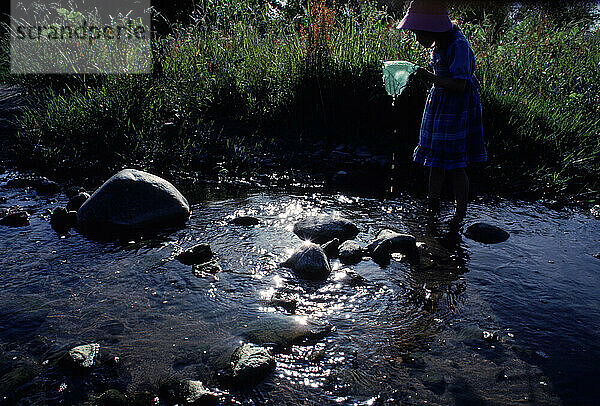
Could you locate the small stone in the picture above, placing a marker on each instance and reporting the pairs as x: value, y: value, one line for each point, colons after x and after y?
x: 331, y: 248
x: 61, y: 221
x: 73, y: 191
x: 245, y: 221
x: 194, y: 393
x: 596, y: 211
x: 597, y: 256
x: 18, y: 218
x: 210, y: 267
x: 77, y: 201
x: 389, y: 242
x: 83, y: 356
x: 112, y: 397
x: 251, y: 363
x: 350, y: 252
x: 198, y: 254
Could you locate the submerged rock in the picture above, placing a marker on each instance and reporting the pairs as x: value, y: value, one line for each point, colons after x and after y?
x: 12, y: 382
x: 111, y: 397
x: 350, y: 252
x: 321, y: 229
x: 486, y: 233
x: 210, y: 267
x: 281, y: 331
x: 198, y: 254
x: 245, y: 221
x: 597, y: 256
x: 83, y: 356
x: 41, y: 184
x: 133, y: 200
x: 19, y: 218
x: 309, y: 262
x: 187, y: 392
x: 332, y: 248
x: 251, y: 363
x: 77, y: 201
x: 389, y: 242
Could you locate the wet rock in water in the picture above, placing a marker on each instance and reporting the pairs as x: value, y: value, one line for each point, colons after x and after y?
x: 77, y: 201
x: 596, y: 211
x: 73, y: 191
x: 245, y: 221
x: 309, y: 262
x: 18, y: 218
x: 281, y: 331
x: 331, y: 248
x: 198, y: 254
x: 251, y: 363
x: 133, y: 200
x: 82, y: 357
x: 142, y: 399
x: 321, y: 229
x: 435, y: 382
x: 194, y: 393
x: 111, y: 397
x: 389, y: 242
x: 486, y: 233
x: 350, y: 252
x: 62, y: 220
x: 41, y: 184
x: 279, y: 299
x: 210, y: 267
x: 597, y: 256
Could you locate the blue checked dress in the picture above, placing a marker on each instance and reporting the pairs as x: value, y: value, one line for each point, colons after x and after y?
x: 451, y: 130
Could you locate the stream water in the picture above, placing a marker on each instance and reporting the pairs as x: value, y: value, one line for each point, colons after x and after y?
x: 407, y: 335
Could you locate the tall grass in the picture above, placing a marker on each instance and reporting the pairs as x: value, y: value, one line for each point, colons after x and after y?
x: 255, y: 69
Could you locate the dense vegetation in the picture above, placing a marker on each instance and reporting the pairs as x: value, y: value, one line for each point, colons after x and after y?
x: 238, y: 77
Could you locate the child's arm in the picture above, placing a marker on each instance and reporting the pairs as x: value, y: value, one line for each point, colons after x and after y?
x: 454, y: 85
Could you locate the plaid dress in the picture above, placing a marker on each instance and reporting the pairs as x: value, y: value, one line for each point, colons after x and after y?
x: 451, y: 130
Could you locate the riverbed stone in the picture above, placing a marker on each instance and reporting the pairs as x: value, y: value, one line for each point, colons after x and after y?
x: 83, y: 356
x: 309, y: 262
x: 486, y: 233
x: 198, y: 254
x: 12, y: 382
x: 245, y: 221
x: 194, y: 393
x: 596, y: 211
x: 133, y: 200
x: 251, y: 363
x: 111, y: 397
x: 350, y: 252
x: 77, y: 201
x: 389, y: 242
x: 62, y: 220
x: 332, y: 248
x: 597, y: 256
x: 321, y: 229
x: 281, y: 331
x: 41, y: 184
x: 16, y: 218
x: 209, y: 267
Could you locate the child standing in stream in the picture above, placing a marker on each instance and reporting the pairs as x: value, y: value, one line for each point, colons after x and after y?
x: 451, y: 131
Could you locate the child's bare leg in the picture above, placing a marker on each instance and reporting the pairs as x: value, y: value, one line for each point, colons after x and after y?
x: 460, y: 184
x: 436, y: 180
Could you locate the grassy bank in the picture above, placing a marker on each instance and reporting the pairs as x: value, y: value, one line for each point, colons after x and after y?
x: 243, y: 79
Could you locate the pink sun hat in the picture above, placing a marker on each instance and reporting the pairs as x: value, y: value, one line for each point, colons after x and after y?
x: 427, y: 15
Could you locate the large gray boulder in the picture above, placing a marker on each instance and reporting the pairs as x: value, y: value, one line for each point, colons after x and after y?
x: 309, y: 262
x: 321, y: 229
x: 133, y: 200
x: 389, y: 242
